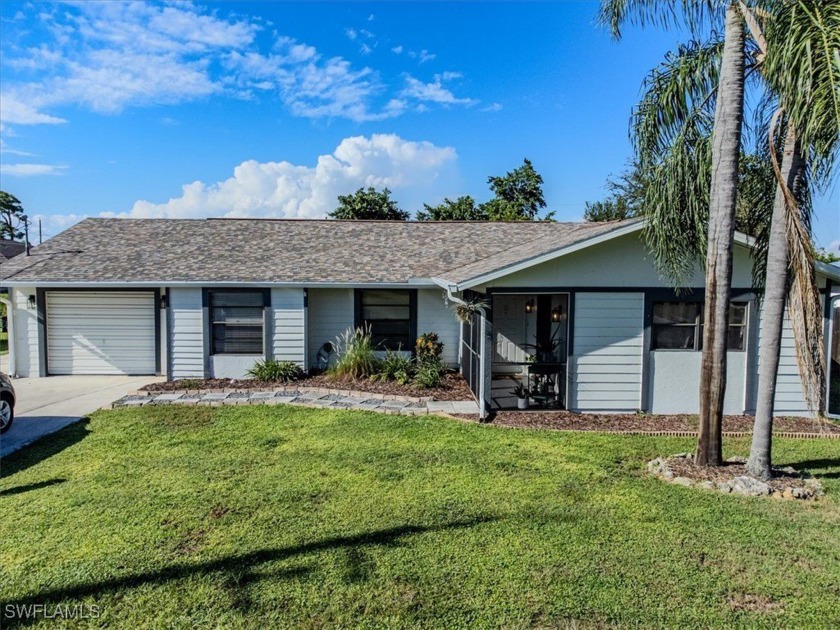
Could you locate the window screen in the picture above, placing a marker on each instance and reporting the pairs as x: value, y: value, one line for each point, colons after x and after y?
x: 388, y: 313
x: 236, y: 320
x: 679, y: 326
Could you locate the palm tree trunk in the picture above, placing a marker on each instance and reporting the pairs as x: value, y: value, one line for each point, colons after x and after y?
x: 773, y: 309
x: 726, y: 147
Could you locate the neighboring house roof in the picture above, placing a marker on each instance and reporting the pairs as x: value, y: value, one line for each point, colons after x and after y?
x: 10, y: 249
x: 295, y: 251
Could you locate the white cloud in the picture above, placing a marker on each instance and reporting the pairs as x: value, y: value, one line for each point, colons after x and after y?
x: 30, y: 170
x: 493, y: 107
x: 834, y: 247
x: 413, y: 170
x: 423, y: 56
x: 15, y: 111
x: 311, y: 86
x: 434, y: 92
x: 371, y: 17
x: 109, y: 56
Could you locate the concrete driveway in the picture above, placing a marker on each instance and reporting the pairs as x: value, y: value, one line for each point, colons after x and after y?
x: 45, y: 405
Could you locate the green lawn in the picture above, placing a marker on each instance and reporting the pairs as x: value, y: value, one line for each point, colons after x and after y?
x: 278, y: 516
x: 4, y: 342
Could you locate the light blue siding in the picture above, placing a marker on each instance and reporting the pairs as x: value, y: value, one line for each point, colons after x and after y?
x: 186, y: 333
x: 289, y: 326
x: 606, y: 365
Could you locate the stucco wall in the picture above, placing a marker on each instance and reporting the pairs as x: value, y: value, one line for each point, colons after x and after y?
x: 675, y: 382
x: 433, y: 315
x: 330, y: 313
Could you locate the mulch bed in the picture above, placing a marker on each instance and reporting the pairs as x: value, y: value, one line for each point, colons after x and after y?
x: 649, y: 422
x: 735, y: 467
x: 453, y: 386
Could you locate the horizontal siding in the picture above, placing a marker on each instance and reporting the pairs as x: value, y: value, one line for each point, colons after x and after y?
x: 433, y: 315
x: 330, y: 313
x: 289, y: 325
x: 790, y: 399
x: 28, y: 355
x: 606, y: 368
x: 186, y: 333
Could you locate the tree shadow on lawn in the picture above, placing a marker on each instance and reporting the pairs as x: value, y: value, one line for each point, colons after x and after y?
x: 814, y: 466
x: 31, y: 486
x: 44, y: 448
x: 236, y: 569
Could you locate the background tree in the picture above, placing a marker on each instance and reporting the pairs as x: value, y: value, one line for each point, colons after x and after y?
x: 11, y: 217
x: 825, y: 256
x: 368, y: 204
x: 518, y: 196
x: 462, y: 209
x: 756, y: 188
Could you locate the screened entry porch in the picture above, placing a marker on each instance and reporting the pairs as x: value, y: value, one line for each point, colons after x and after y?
x: 530, y: 350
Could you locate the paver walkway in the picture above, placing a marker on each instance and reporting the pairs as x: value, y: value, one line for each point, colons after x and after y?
x: 313, y: 397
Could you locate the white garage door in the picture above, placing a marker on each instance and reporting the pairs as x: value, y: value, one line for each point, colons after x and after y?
x: 101, y: 332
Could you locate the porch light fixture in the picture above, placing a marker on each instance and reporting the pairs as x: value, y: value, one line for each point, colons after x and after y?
x: 557, y: 313
x: 31, y: 302
x: 529, y: 306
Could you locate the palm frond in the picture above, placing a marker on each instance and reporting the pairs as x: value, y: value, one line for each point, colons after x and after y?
x: 803, y: 68
x: 678, y: 94
x: 677, y: 204
x: 695, y: 15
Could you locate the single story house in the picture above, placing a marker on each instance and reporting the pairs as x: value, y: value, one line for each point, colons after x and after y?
x: 577, y: 311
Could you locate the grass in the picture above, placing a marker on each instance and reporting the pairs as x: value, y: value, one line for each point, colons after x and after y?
x: 290, y: 517
x: 4, y: 342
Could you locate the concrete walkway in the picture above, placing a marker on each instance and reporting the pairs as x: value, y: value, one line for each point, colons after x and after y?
x: 45, y: 405
x: 312, y: 397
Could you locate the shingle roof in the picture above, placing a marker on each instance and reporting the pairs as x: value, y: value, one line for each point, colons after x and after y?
x: 295, y: 251
x: 10, y: 249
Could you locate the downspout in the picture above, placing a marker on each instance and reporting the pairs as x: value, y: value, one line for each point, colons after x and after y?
x: 482, y: 394
x: 10, y: 328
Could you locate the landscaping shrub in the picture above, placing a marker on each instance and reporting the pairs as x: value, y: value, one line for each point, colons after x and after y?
x: 428, y: 351
x: 429, y: 373
x: 273, y: 370
x: 396, y: 367
x: 428, y: 347
x: 356, y: 358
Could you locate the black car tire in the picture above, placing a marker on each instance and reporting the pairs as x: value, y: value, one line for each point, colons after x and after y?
x: 6, y: 407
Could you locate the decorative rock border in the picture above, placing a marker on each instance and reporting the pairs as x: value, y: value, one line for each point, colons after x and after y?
x: 304, y: 396
x: 748, y: 486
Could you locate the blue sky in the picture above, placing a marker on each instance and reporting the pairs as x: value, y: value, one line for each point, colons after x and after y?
x: 273, y: 109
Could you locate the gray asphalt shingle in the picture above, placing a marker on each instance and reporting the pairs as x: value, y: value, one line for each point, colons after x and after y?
x: 299, y: 251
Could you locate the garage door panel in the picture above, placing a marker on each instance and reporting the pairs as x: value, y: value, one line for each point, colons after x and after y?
x: 101, y: 332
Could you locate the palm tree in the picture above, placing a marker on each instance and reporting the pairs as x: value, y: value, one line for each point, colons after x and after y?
x: 803, y: 68
x: 725, y: 152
